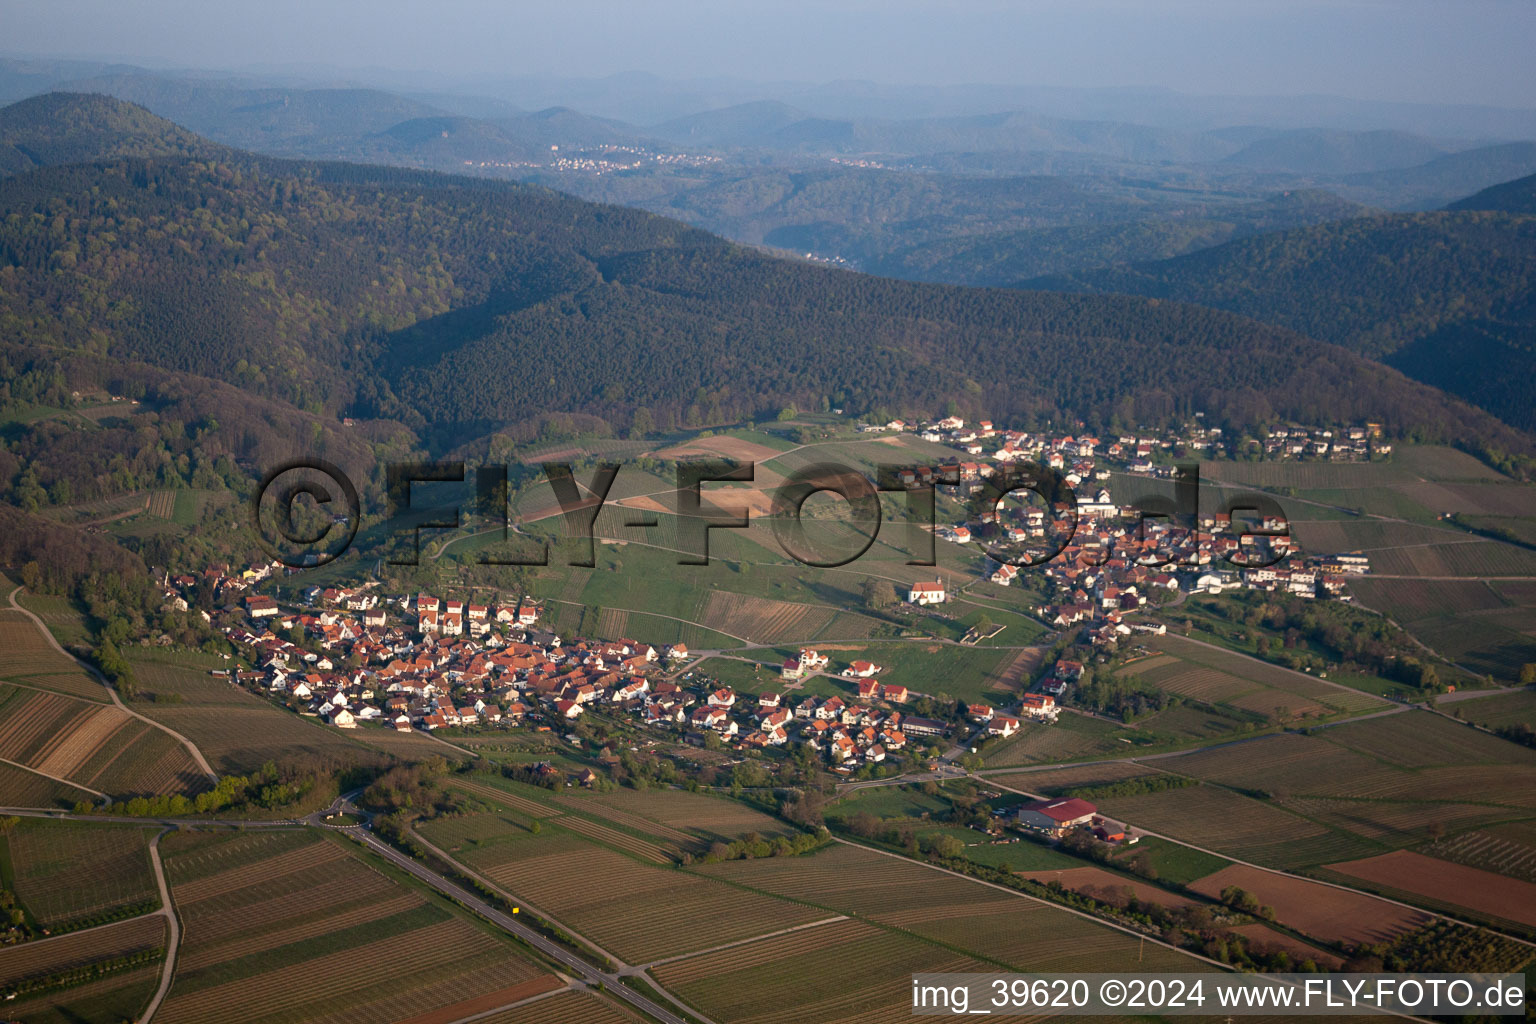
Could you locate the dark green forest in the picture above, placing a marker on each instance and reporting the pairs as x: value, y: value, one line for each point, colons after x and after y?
x: 461, y: 306
x: 1446, y: 297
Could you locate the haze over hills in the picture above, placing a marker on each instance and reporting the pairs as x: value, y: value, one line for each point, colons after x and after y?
x: 463, y: 305
x: 979, y: 197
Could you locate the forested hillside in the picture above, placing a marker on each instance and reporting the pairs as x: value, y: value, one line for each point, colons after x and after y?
x: 65, y: 128
x: 461, y: 306
x: 1004, y: 258
x: 1446, y: 296
x: 1518, y: 196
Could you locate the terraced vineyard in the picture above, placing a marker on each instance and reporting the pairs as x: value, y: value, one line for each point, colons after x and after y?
x: 92, y: 744
x: 69, y: 875
x: 294, y: 927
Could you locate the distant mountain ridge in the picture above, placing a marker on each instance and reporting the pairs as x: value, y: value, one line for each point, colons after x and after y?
x: 462, y: 306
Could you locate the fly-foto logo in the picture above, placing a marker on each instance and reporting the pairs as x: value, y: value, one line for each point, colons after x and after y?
x: 311, y: 533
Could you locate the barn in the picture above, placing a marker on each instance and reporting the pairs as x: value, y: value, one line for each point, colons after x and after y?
x: 1056, y: 817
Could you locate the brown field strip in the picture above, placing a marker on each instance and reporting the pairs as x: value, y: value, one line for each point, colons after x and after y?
x: 1321, y: 911
x: 1482, y: 891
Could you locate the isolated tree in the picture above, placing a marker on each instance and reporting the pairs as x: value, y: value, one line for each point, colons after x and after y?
x: 878, y: 594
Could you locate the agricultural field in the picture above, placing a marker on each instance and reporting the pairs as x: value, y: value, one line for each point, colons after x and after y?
x: 290, y: 927
x: 28, y: 654
x: 69, y: 875
x: 786, y: 980
x: 1409, y: 601
x: 1172, y: 862
x: 118, y: 995
x: 689, y: 817
x: 93, y: 745
x: 59, y: 613
x: 236, y: 731
x: 1504, y: 709
x: 1008, y: 929
x: 1367, y: 535
x: 1486, y: 893
x: 565, y: 1008
x: 1460, y: 558
x: 1506, y: 850
x: 1366, y: 787
x: 1054, y: 781
x: 162, y: 504
x: 1317, y: 910
x: 1497, y: 643
x: 1235, y: 825
x: 22, y: 788
x: 762, y: 620
x: 1070, y: 738
x: 1218, y: 672
x: 639, y: 911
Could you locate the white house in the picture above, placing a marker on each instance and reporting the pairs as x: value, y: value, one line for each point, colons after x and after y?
x: 927, y: 593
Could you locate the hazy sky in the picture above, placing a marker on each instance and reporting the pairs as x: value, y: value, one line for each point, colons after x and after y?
x: 1477, y: 51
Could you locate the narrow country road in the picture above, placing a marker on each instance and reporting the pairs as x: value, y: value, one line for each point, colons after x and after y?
x: 611, y: 982
x: 173, y: 940
x: 197, y: 755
